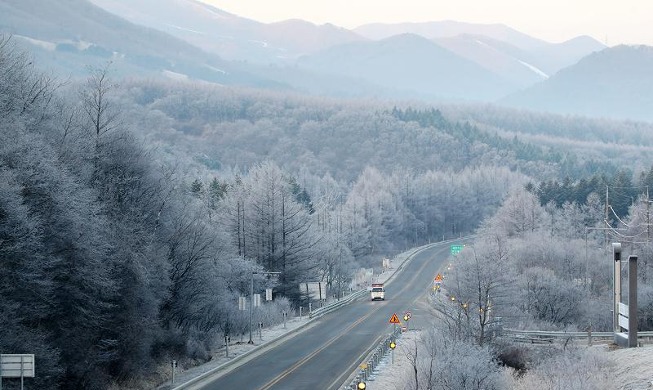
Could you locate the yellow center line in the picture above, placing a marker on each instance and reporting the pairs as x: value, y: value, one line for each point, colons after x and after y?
x: 324, y: 346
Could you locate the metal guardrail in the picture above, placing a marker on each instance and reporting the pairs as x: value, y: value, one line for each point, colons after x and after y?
x: 357, y: 294
x: 235, y: 361
x: 372, y: 360
x: 313, y: 314
x: 542, y: 336
x: 337, y: 304
x: 375, y: 356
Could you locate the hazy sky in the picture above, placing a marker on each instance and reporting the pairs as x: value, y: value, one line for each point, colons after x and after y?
x: 618, y: 21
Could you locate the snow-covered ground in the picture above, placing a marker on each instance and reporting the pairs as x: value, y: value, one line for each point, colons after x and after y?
x: 633, y: 368
x: 236, y: 348
x: 239, y: 347
x: 391, y: 373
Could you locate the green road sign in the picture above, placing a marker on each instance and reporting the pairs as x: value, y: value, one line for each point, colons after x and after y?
x: 455, y: 249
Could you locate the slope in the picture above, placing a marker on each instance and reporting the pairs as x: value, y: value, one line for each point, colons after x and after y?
x: 510, y: 62
x: 70, y: 35
x: 228, y: 35
x: 448, y: 28
x: 616, y: 82
x: 410, y: 64
x: 463, y: 39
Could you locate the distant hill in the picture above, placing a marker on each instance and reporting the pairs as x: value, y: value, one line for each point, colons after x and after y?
x: 410, y: 62
x: 498, y: 47
x: 448, y: 28
x: 67, y: 36
x: 508, y: 61
x: 555, y: 56
x: 230, y: 36
x: 188, y: 39
x: 616, y: 83
x: 303, y: 37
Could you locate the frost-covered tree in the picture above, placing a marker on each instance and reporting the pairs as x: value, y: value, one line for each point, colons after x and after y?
x: 519, y: 214
x: 479, y: 288
x: 442, y: 363
x: 581, y: 369
x: 271, y: 226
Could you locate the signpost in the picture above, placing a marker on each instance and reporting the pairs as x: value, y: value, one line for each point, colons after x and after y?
x: 16, y: 366
x: 437, y: 282
x: 456, y: 248
x: 252, y: 297
x: 407, y: 316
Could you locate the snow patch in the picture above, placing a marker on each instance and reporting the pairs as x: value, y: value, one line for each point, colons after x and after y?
x: 175, y: 75
x: 49, y: 46
x: 82, y: 45
x: 262, y: 43
x: 484, y: 44
x: 213, y: 68
x: 185, y: 29
x: 534, y: 69
x: 214, y: 13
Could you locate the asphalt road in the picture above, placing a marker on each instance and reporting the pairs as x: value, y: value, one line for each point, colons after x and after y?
x: 333, y: 346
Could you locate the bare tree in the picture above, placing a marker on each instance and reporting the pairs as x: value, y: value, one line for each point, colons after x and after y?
x: 444, y: 363
x: 100, y: 111
x: 480, y: 286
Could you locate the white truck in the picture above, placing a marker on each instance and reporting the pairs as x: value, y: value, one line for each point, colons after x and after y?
x: 378, y: 291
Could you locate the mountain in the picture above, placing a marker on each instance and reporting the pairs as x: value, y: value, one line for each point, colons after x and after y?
x: 180, y: 39
x: 616, y: 82
x: 67, y: 36
x: 522, y: 67
x: 499, y: 48
x: 230, y: 36
x: 410, y: 65
x: 303, y: 37
x: 555, y: 56
x: 503, y: 59
x: 444, y: 29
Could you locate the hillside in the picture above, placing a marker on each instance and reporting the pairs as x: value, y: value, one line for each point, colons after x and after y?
x: 227, y: 35
x: 614, y: 83
x: 188, y: 39
x: 556, y: 56
x: 235, y: 129
x: 445, y: 29
x: 68, y: 36
x: 505, y: 60
x: 134, y: 221
x: 410, y: 65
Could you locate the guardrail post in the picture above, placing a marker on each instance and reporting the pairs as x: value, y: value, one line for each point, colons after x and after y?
x: 589, y: 335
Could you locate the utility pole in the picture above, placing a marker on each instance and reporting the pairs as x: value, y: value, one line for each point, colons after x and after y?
x: 251, y: 294
x: 648, y: 220
x: 607, y: 207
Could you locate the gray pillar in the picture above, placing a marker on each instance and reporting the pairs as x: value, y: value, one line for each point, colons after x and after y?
x: 616, y: 252
x: 251, y: 307
x: 632, y: 301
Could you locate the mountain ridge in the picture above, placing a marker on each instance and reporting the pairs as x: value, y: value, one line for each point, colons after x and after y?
x: 415, y: 62
x: 615, y: 82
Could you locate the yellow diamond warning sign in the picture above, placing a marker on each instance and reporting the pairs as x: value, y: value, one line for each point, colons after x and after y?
x: 394, y: 319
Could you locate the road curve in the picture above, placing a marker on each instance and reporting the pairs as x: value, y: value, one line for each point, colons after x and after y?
x: 333, y: 346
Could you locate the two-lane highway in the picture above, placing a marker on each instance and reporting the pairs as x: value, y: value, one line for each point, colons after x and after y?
x: 330, y: 349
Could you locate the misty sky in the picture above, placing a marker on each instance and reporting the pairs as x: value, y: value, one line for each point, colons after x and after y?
x: 623, y: 21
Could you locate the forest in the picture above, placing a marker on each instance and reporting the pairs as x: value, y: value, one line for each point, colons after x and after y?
x: 134, y: 213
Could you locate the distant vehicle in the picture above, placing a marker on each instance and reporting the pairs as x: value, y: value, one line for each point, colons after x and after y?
x: 378, y: 291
